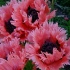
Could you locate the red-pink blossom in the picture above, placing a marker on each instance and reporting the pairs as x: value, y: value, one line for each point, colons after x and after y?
x: 20, y: 33
x: 9, y: 44
x: 29, y: 14
x: 6, y: 27
x: 13, y: 62
x: 48, y: 47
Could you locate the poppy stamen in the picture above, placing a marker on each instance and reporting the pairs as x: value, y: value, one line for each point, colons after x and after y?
x: 9, y: 27
x: 48, y: 47
x: 32, y: 12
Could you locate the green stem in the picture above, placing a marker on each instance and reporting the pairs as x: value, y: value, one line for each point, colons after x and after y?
x: 53, y: 3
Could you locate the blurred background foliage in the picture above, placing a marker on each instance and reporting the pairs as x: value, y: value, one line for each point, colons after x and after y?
x: 62, y: 17
x: 3, y: 2
x: 62, y: 14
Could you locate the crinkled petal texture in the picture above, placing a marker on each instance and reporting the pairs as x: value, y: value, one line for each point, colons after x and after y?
x: 20, y: 33
x: 13, y: 62
x: 8, y: 45
x: 48, y: 47
x: 6, y: 27
x: 28, y: 13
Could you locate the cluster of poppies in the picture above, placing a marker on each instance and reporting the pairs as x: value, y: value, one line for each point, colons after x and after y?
x: 27, y: 34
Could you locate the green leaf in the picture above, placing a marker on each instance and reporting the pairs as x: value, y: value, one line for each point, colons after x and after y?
x: 29, y: 65
x: 3, y: 2
x: 62, y: 69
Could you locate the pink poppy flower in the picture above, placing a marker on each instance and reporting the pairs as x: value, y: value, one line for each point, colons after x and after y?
x: 8, y: 45
x: 6, y: 27
x: 4, y: 65
x: 28, y: 14
x: 48, y: 47
x: 13, y: 62
x: 20, y: 33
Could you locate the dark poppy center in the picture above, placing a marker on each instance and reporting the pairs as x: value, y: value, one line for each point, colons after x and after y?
x: 9, y: 27
x: 67, y: 67
x: 32, y: 12
x: 38, y: 69
x: 48, y: 47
